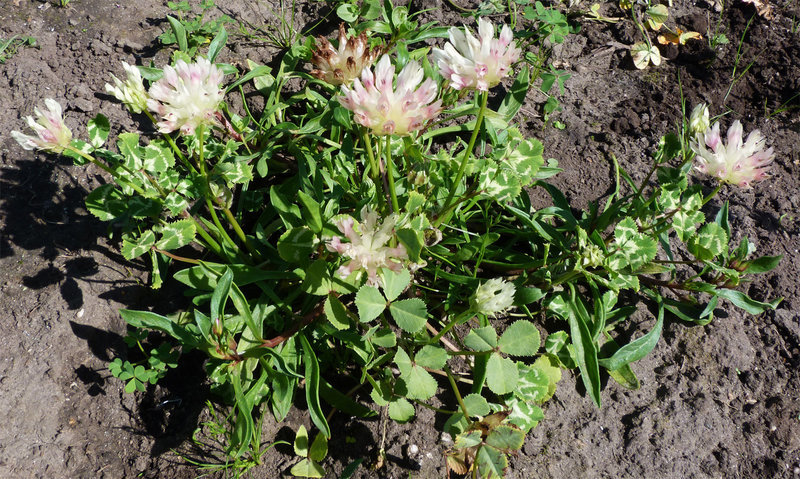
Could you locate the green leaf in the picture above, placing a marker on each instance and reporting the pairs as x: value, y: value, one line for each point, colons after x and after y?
x: 401, y: 410
x: 525, y: 415
x: 433, y: 357
x: 502, y: 374
x: 318, y: 280
x: 685, y: 223
x: 157, y: 158
x: 419, y: 384
x: 761, y: 265
x: 336, y: 313
x: 146, y: 319
x: 319, y: 448
x: 106, y: 202
x: 527, y: 296
x: 491, y: 462
x: 506, y: 438
x: 307, y: 468
x: 409, y: 314
x: 180, y: 33
x: 413, y: 242
x: 296, y: 245
x: 343, y: 403
x: 312, y: 212
x: 177, y: 234
x: 128, y: 145
x: 533, y: 384
x: 481, y: 339
x: 515, y: 98
x: 217, y: 44
x: 468, y: 439
x: 709, y: 242
x: 585, y: 349
x: 548, y: 365
x: 520, y: 339
x: 556, y: 341
x: 98, y: 129
x: 746, y: 302
x: 476, y: 405
x: 301, y: 441
x: 625, y: 377
x: 370, y: 303
x: 384, y: 338
x: 637, y: 349
x: 394, y: 283
x: 312, y: 387
x: 135, y: 247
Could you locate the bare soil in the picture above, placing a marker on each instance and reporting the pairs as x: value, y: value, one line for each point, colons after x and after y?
x: 716, y: 401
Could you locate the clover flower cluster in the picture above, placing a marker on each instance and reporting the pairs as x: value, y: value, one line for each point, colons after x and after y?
x: 187, y: 96
x: 367, y: 248
x: 477, y: 63
x: 400, y: 108
x: 131, y: 92
x: 493, y: 297
x: 340, y: 66
x: 388, y: 110
x: 736, y: 163
x: 51, y: 132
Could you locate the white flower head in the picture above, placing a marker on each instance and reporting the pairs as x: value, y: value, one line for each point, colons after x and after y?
x: 187, y: 96
x: 341, y: 66
x: 734, y: 162
x: 699, y: 120
x: 51, y: 132
x: 477, y: 63
x: 367, y: 249
x: 387, y: 109
x: 493, y: 297
x: 131, y: 92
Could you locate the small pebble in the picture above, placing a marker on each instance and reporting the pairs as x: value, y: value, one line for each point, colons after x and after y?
x: 446, y: 438
x: 413, y: 450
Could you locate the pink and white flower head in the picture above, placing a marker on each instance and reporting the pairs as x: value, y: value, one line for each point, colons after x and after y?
x: 131, y: 92
x: 367, y: 249
x: 477, y: 63
x: 341, y: 66
x: 51, y: 132
x: 734, y: 163
x: 388, y: 110
x: 187, y: 96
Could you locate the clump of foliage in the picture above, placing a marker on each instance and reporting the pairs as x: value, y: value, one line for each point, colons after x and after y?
x: 368, y: 244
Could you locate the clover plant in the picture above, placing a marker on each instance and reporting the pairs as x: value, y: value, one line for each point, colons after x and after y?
x: 371, y: 244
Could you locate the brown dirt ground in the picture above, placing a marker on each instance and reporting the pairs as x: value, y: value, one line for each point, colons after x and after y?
x: 716, y: 401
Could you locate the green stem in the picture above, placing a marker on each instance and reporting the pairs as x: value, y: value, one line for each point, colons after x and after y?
x: 458, y: 319
x: 484, y: 98
x: 712, y: 194
x: 105, y: 168
x: 373, y: 166
x: 458, y: 395
x: 390, y: 174
x: 211, y: 243
x: 240, y: 233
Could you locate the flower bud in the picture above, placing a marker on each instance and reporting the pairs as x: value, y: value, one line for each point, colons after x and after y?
x: 699, y: 120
